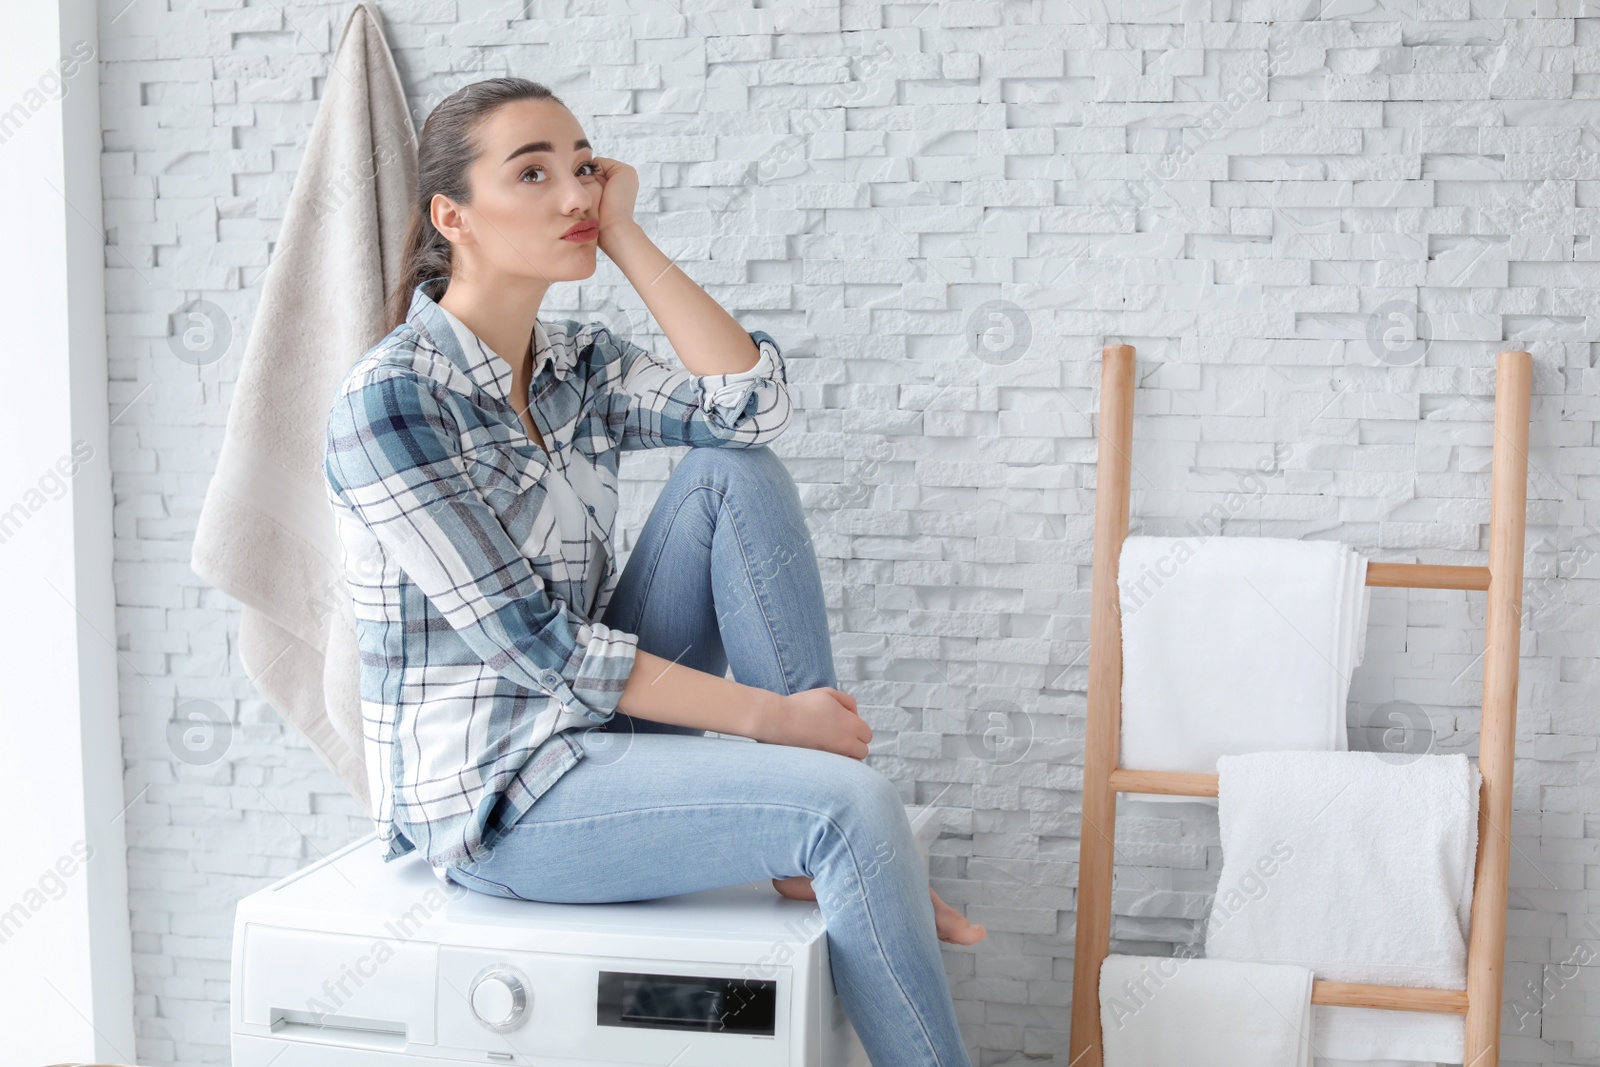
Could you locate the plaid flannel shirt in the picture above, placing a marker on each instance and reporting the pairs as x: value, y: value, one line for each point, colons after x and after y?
x: 477, y: 564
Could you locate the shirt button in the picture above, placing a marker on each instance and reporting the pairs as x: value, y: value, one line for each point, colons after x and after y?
x: 550, y: 677
x: 591, y: 508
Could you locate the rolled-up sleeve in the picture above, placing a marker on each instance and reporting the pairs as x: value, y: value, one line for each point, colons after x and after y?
x: 393, y: 456
x: 668, y: 405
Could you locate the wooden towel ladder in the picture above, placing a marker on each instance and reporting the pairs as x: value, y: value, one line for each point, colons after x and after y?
x: 1103, y: 779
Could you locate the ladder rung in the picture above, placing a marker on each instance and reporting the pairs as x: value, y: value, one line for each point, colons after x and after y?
x: 1170, y: 783
x: 1391, y: 997
x: 1427, y: 576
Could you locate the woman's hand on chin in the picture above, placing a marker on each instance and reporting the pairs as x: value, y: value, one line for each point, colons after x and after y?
x: 619, y: 191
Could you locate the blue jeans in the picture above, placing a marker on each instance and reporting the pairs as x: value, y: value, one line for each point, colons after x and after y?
x: 724, y: 574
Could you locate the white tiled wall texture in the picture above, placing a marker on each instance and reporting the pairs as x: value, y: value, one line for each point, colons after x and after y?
x: 1317, y: 223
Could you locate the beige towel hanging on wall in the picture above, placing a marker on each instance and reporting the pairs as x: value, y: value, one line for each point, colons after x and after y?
x: 265, y: 534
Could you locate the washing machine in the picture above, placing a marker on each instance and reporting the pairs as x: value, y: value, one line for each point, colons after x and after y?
x: 351, y: 962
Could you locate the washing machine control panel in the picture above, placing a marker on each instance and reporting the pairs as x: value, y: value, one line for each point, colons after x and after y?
x: 517, y: 1007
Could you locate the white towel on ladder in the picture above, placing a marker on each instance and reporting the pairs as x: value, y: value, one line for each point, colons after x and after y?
x: 1164, y: 1011
x: 1358, y: 865
x: 1236, y: 644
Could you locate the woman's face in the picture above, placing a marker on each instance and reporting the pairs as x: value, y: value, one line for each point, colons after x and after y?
x: 532, y: 181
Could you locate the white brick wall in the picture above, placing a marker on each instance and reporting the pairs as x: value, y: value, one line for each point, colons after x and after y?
x: 1262, y: 206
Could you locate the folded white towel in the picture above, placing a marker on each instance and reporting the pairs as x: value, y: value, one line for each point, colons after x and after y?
x: 1358, y: 865
x: 1236, y: 644
x: 1162, y: 1011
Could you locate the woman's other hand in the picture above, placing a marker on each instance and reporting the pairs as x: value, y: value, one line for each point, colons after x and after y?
x: 823, y: 718
x: 619, y: 191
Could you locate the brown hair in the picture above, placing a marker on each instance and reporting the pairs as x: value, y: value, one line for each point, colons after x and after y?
x: 446, y: 151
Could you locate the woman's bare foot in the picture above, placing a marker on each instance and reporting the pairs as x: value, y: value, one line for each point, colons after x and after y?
x: 952, y: 926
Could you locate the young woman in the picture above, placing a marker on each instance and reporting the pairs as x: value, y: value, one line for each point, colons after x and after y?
x: 471, y: 462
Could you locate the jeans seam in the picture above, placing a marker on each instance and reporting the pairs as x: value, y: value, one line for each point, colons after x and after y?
x: 872, y: 923
x: 766, y: 617
x: 490, y: 881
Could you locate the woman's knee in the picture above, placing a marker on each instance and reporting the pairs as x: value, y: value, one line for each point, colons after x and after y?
x: 864, y: 833
x: 858, y: 801
x: 733, y: 468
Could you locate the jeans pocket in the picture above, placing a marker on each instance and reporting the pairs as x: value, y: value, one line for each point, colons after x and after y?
x: 480, y: 884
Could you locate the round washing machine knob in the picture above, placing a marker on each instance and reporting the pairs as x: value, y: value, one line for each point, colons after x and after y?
x: 499, y: 999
